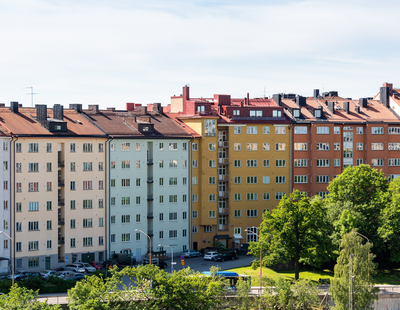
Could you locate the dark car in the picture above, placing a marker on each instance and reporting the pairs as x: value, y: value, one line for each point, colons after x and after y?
x: 226, y: 256
x: 30, y: 275
x: 110, y: 262
x: 77, y: 276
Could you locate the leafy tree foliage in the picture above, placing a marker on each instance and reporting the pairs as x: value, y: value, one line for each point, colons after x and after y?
x: 296, y: 230
x: 21, y: 298
x: 362, y: 266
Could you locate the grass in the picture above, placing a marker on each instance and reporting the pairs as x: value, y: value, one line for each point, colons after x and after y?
x: 382, y: 277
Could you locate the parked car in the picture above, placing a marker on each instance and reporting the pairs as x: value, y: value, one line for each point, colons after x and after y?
x: 64, y: 274
x: 89, y: 268
x: 210, y: 255
x: 124, y: 259
x: 30, y: 275
x: 226, y: 256
x: 77, y: 276
x: 75, y: 267
x: 155, y: 261
x: 48, y: 273
x: 18, y: 275
x: 191, y: 253
x: 110, y: 262
x: 96, y: 265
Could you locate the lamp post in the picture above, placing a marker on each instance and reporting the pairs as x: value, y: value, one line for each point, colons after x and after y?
x: 172, y: 255
x: 12, y: 258
x: 149, y: 240
x: 259, y: 239
x: 368, y: 250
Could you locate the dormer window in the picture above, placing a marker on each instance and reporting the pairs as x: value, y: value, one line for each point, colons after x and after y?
x: 276, y: 113
x: 296, y: 112
x: 256, y: 113
x: 201, y: 108
x: 317, y: 113
x: 236, y: 112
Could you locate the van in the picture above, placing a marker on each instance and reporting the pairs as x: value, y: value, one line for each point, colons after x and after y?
x: 123, y: 258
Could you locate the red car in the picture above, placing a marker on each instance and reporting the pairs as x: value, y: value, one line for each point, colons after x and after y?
x: 96, y: 265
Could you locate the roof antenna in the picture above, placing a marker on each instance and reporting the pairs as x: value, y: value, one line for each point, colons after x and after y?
x: 31, y: 93
x: 264, y: 91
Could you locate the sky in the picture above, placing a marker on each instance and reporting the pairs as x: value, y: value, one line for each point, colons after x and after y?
x: 117, y: 51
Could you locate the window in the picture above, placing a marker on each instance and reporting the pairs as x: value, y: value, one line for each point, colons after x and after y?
x: 48, y: 167
x: 125, y: 201
x: 280, y: 179
x: 280, y: 146
x: 323, y: 146
x: 348, y: 153
x: 5, y: 165
x: 18, y: 167
x: 280, y: 130
x: 195, y: 198
x: 138, y: 164
x: 173, y: 163
x: 5, y: 146
x: 18, y: 206
x: 33, y: 206
x: 324, y: 130
x: 251, y: 130
x: 394, y: 146
x: 266, y: 163
x: 276, y: 113
x: 237, y: 130
x: 212, y: 180
x: 236, y: 112
x: 251, y: 146
x: 87, y: 166
x: 212, y: 214
x: 173, y: 234
x: 87, y: 241
x: 302, y: 130
x: 394, y: 162
x: 5, y: 186
x: 300, y: 146
x: 300, y: 162
x: 87, y: 223
x: 48, y: 147
x: 237, y: 163
x: 125, y: 182
x: 336, y: 146
x: 323, y: 195
x: 101, y: 184
x: 208, y: 228
x: 359, y: 146
x: 173, y: 216
x: 194, y: 180
x: 88, y: 204
x: 376, y: 146
x: 173, y: 146
x: 279, y: 195
x: 252, y: 180
x: 173, y: 198
x: 360, y: 130
x: 18, y: 226
x: 138, y: 200
x: 137, y: 146
x: 101, y: 203
x: 212, y: 146
x: 336, y: 130
x: 280, y: 163
x: 184, y: 163
x: 33, y: 167
x: 101, y: 222
x: 32, y: 226
x: 210, y: 127
x: 173, y: 181
x: 300, y: 179
x: 72, y: 147
x: 18, y: 147
x: 266, y: 130
x: 101, y: 240
x: 87, y: 147
x: 322, y: 178
x: 359, y: 161
x: 112, y: 219
x: 126, y: 146
x: 5, y: 204
x: 73, y: 166
x: 212, y: 197
x: 377, y: 130
x: 194, y: 147
x: 254, y: 113
x: 33, y: 147
x: 251, y: 196
x: 33, y: 246
x: 237, y: 196
x: 238, y: 213
x: 394, y: 131
x: 49, y: 225
x: 237, y: 180
x: 377, y: 162
x: 184, y: 146
x: 237, y: 147
x: 252, y: 213
x: 112, y: 238
x: 18, y: 247
x: 73, y: 205
x: 101, y: 147
x: 112, y: 202
x: 265, y: 196
x: 87, y: 185
x: 322, y: 162
x: 392, y: 177
x: 336, y: 162
x: 161, y: 146
x: 212, y: 163
x: 137, y: 218
x: 161, y: 181
x: 251, y: 163
x: 266, y: 180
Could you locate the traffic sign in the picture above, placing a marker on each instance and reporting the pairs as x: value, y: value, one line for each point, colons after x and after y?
x: 183, y: 263
x: 182, y: 257
x: 173, y: 263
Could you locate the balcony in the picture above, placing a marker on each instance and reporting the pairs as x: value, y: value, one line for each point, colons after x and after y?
x: 150, y: 180
x: 150, y: 161
x: 150, y: 215
x: 223, y: 161
x: 60, y: 183
x: 61, y: 221
x: 61, y: 202
x: 223, y: 144
x: 223, y: 227
x: 223, y: 177
x: 150, y: 198
x: 61, y: 164
x: 61, y: 240
x: 223, y: 194
x: 150, y: 233
x: 223, y: 211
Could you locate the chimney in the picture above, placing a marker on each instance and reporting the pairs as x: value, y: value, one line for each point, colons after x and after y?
x: 301, y: 101
x: 331, y: 106
x: 390, y: 85
x: 346, y: 107
x: 76, y: 106
x: 14, y: 106
x: 363, y: 102
x: 384, y: 96
x: 94, y: 108
x: 58, y: 112
x: 248, y: 99
x: 316, y: 93
x: 277, y: 99
x: 185, y: 93
x: 130, y: 106
x: 41, y: 114
x: 157, y: 107
x: 357, y: 108
x: 142, y: 110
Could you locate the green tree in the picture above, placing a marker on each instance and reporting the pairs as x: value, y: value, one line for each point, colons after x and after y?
x: 296, y: 230
x: 356, y: 199
x: 356, y: 256
x: 21, y: 298
x: 390, y: 221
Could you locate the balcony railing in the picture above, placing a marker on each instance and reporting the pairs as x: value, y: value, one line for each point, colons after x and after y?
x: 61, y: 202
x: 150, y: 180
x: 150, y: 162
x: 61, y: 240
x: 223, y: 161
x: 150, y: 233
x: 223, y: 194
x: 60, y: 183
x: 223, y: 177
x: 150, y: 215
x: 223, y: 144
x: 150, y: 198
x: 61, y: 164
x: 223, y: 211
x: 61, y: 221
x: 223, y: 227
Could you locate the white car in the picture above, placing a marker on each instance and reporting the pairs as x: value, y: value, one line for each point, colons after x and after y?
x: 75, y: 267
x: 89, y: 268
x: 64, y: 274
x: 48, y: 273
x: 210, y: 255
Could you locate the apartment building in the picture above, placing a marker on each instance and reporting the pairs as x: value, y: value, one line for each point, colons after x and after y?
x: 5, y: 192
x: 58, y: 189
x: 240, y: 164
x: 331, y: 133
x: 148, y: 180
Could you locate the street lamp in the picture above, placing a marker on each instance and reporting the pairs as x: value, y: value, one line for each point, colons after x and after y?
x: 149, y: 240
x: 172, y: 255
x: 250, y: 231
x: 12, y: 258
x: 368, y: 250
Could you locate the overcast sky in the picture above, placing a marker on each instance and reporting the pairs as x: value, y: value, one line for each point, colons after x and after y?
x: 118, y: 51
